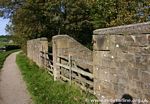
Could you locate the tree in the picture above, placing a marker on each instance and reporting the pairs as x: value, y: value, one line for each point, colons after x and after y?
x: 37, y: 18
x: 107, y: 13
x: 77, y: 18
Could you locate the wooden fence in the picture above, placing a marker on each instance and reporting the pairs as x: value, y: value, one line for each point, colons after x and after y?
x: 47, y: 62
x: 69, y: 70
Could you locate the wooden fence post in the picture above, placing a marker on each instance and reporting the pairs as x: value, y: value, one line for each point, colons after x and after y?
x: 70, y: 65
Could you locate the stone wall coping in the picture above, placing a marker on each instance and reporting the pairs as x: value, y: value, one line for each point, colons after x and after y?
x: 43, y: 39
x: 39, y: 39
x: 139, y: 28
x: 67, y: 36
x: 60, y: 36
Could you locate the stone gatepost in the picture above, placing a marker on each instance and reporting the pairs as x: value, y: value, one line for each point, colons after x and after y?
x: 121, y: 57
x: 43, y: 46
x: 60, y: 42
x: 54, y: 51
x: 102, y: 61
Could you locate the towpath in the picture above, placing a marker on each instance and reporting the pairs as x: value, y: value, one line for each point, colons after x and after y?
x: 13, y: 89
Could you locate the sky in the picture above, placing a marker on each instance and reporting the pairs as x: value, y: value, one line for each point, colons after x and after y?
x: 3, y: 23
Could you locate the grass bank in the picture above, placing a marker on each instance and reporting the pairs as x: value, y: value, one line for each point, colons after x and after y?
x: 3, y: 56
x: 46, y: 91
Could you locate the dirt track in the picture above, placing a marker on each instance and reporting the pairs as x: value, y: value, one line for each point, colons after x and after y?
x: 12, y: 87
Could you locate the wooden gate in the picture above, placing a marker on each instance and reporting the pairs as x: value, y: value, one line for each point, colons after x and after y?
x: 73, y: 73
x: 69, y: 70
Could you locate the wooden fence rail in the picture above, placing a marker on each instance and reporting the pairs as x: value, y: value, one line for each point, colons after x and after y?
x: 47, y: 62
x: 69, y: 70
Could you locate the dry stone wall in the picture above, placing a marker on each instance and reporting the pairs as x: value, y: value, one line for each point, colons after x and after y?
x: 34, y: 48
x: 65, y: 46
x: 121, y: 60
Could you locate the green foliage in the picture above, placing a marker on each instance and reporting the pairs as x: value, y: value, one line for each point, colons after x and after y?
x: 11, y: 47
x: 108, y: 13
x: 77, y: 18
x: 5, y: 40
x: 34, y: 19
x: 46, y: 91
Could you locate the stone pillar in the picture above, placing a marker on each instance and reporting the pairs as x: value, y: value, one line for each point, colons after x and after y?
x: 120, y: 65
x: 101, y: 60
x: 55, y: 59
x: 28, y: 49
x: 44, y: 48
x: 60, y: 42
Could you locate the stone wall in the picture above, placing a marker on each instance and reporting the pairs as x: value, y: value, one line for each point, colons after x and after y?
x: 65, y: 46
x: 121, y: 60
x: 34, y: 48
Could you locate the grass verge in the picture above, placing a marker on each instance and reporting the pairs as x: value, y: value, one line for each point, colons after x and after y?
x: 46, y: 91
x: 3, y: 56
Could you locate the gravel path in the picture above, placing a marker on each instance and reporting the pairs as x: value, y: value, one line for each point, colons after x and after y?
x: 12, y: 87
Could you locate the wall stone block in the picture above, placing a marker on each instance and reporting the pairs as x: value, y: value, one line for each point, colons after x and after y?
x: 141, y: 40
x: 129, y: 52
x: 146, y: 77
x: 130, y: 40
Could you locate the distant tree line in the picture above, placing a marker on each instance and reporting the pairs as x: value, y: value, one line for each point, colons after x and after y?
x: 78, y: 18
x: 5, y: 38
